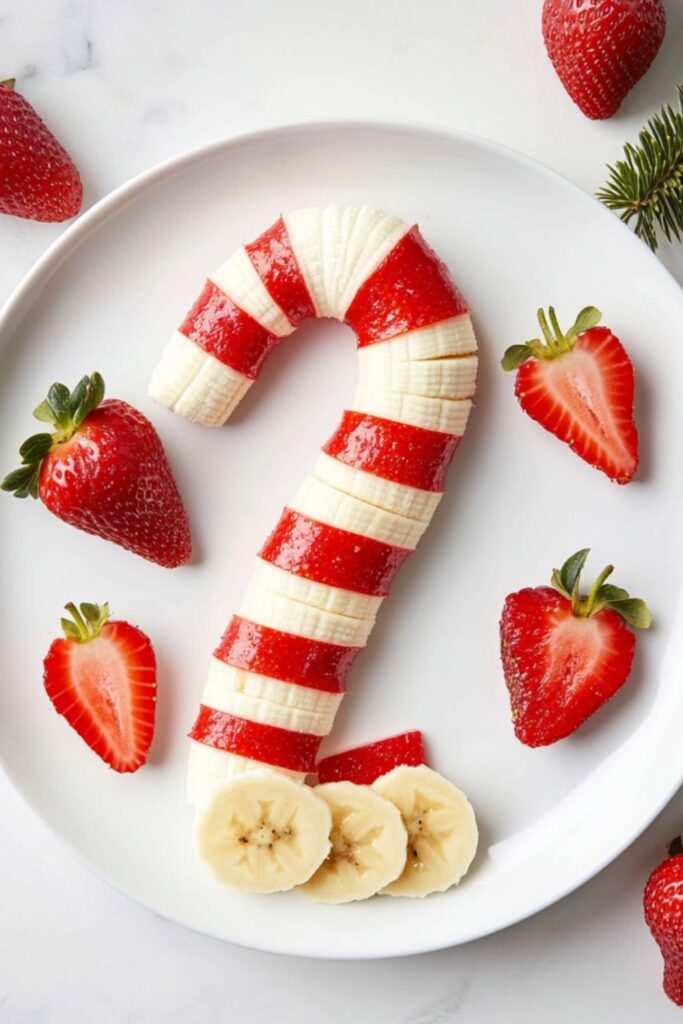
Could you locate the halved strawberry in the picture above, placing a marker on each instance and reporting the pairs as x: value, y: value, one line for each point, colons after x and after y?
x: 580, y: 386
x: 565, y: 655
x: 363, y: 765
x: 102, y: 678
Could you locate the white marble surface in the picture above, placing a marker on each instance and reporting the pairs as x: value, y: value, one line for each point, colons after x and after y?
x: 125, y: 85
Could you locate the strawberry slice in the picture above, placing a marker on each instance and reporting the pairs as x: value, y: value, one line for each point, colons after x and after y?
x: 104, y: 470
x: 102, y: 679
x: 565, y: 655
x: 580, y: 386
x: 363, y: 765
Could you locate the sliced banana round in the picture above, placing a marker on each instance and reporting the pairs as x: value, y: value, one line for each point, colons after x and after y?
x: 442, y: 831
x: 263, y: 832
x: 369, y: 843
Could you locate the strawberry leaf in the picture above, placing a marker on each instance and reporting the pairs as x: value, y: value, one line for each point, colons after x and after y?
x: 66, y: 411
x: 36, y: 448
x: 587, y: 318
x: 85, y: 624
x: 570, y: 573
x: 44, y: 413
x: 633, y: 611
x: 71, y: 630
x: 58, y: 399
x: 609, y: 593
x: 515, y: 356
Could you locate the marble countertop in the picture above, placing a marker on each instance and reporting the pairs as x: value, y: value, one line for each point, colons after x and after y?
x: 124, y: 86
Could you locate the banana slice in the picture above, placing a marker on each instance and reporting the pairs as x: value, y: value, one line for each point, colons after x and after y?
x: 369, y: 843
x: 224, y: 679
x: 290, y: 616
x: 448, y: 377
x: 239, y: 279
x: 452, y: 337
x: 327, y: 504
x: 401, y: 499
x: 208, y: 765
x: 337, y: 248
x: 330, y: 599
x: 447, y: 416
x: 442, y: 831
x: 195, y: 384
x: 263, y: 832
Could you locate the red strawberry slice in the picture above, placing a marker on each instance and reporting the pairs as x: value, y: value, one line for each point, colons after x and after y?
x: 104, y: 470
x: 565, y: 655
x: 663, y: 905
x: 580, y: 386
x: 270, y: 744
x: 102, y: 679
x: 363, y: 765
x: 601, y: 48
x: 38, y: 178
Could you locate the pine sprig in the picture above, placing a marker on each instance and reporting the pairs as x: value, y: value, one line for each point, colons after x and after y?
x: 648, y: 183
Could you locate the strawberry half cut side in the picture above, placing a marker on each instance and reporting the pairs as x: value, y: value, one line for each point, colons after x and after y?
x: 564, y: 655
x: 580, y: 386
x: 363, y: 765
x: 102, y: 678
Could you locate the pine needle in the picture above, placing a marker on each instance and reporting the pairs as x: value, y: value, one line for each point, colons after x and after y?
x: 648, y: 183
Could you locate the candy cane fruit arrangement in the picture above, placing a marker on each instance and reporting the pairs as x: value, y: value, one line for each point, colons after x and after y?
x: 278, y: 675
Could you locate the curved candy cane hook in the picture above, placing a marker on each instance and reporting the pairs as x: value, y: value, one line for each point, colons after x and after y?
x: 278, y: 674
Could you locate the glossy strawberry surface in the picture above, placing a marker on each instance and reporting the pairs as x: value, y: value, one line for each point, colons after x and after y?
x: 38, y: 178
x: 329, y: 555
x: 286, y: 656
x: 601, y: 48
x: 363, y: 765
x: 112, y: 479
x: 270, y: 744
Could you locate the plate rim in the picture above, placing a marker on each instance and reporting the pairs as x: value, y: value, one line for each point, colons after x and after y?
x: 28, y: 290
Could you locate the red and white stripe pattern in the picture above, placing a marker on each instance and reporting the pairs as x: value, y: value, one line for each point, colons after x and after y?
x: 278, y: 675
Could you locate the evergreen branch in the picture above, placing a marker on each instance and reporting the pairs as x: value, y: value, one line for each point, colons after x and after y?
x: 648, y: 183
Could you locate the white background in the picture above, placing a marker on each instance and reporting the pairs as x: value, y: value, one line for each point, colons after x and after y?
x: 130, y: 83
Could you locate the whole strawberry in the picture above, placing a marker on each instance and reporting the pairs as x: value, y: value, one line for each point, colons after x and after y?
x: 104, y: 470
x: 38, y: 178
x: 564, y: 655
x: 601, y: 48
x: 663, y: 903
x: 580, y: 386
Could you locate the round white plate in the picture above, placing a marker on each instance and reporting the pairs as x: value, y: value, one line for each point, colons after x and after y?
x: 516, y: 236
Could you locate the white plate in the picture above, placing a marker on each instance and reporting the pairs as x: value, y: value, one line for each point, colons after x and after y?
x: 516, y: 236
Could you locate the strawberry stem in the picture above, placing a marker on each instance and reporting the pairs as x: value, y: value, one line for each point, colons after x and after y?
x: 555, y: 342
x: 549, y: 340
x: 85, y: 624
x: 567, y: 581
x: 585, y: 607
x: 9, y: 83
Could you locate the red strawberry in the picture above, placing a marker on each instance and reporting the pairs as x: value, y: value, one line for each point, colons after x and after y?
x: 580, y: 386
x: 663, y: 903
x: 102, y: 678
x: 104, y: 470
x: 38, y: 178
x: 565, y: 655
x: 363, y: 765
x: 601, y: 48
